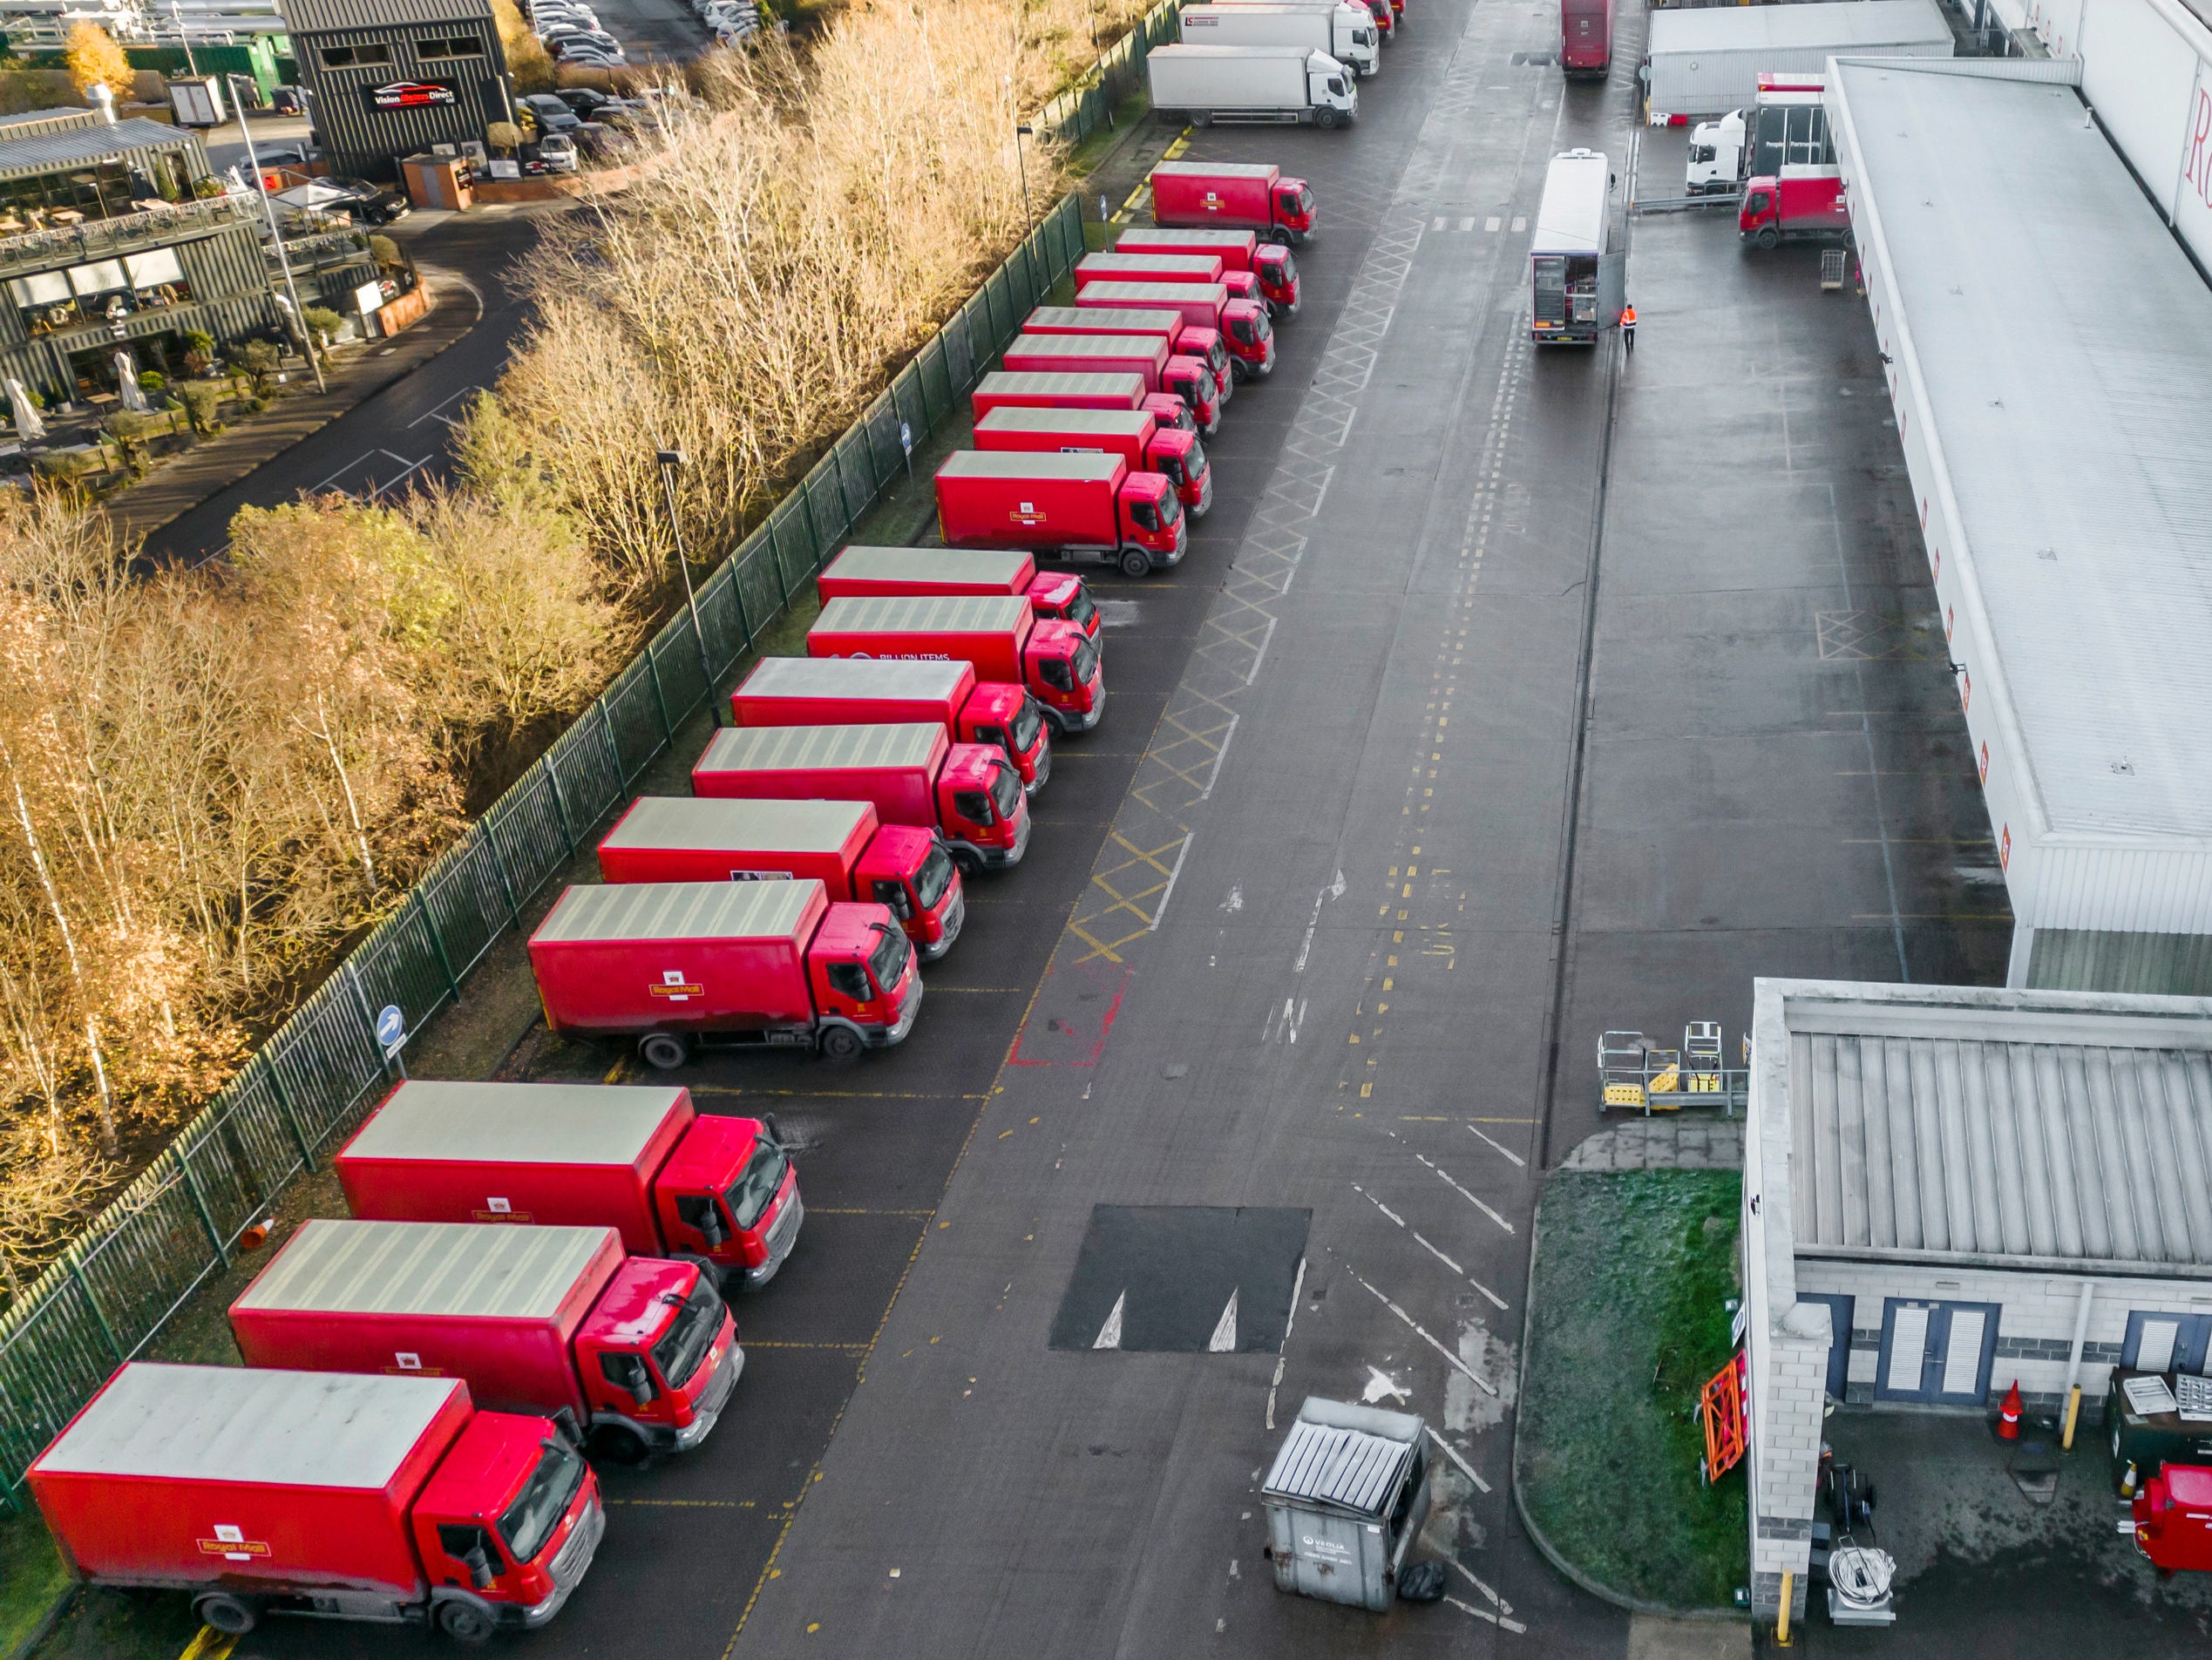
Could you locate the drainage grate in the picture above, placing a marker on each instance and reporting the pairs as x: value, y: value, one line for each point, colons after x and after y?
x: 1183, y: 1279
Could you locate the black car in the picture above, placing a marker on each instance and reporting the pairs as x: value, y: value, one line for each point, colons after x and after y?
x: 375, y: 204
x: 587, y: 103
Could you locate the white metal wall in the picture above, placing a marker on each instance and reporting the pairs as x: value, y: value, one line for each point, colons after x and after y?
x: 1712, y: 82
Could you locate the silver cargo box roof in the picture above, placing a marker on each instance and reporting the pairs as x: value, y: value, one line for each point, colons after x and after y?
x: 1013, y: 418
x: 524, y: 1123
x: 308, y: 1429
x: 934, y: 563
x: 929, y: 677
x: 788, y: 748
x: 623, y: 911
x: 1029, y: 464
x: 949, y: 613
x: 485, y: 1270
x: 1125, y: 383
x: 1087, y: 318
x: 1107, y: 346
x: 684, y: 822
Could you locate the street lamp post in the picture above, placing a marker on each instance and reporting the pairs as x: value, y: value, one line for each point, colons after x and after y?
x: 671, y: 463
x: 298, y: 316
x: 1022, y: 131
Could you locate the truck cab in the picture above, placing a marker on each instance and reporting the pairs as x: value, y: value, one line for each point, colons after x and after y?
x: 1193, y: 382
x: 1207, y: 346
x: 1009, y: 717
x: 658, y: 1356
x: 1802, y: 201
x: 1716, y: 155
x: 729, y: 1194
x: 1386, y: 18
x: 1153, y: 528
x: 1291, y: 207
x: 1169, y: 412
x: 862, y: 970
x: 506, y: 1526
x: 1277, y: 270
x: 1065, y: 665
x: 1252, y: 336
x: 1063, y: 597
x: 982, y: 806
x: 1180, y: 459
x: 906, y: 870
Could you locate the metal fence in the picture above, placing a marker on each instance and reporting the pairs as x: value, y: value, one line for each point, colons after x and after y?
x: 119, y: 1283
x: 1088, y: 105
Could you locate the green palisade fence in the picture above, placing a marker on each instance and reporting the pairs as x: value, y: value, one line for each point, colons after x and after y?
x: 120, y: 1281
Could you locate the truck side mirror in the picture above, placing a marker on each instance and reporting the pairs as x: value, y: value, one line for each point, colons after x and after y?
x: 775, y: 1130
x: 478, y: 1561
x: 710, y: 1228
x: 642, y: 1386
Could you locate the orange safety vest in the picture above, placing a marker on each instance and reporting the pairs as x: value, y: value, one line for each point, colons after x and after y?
x: 1628, y: 316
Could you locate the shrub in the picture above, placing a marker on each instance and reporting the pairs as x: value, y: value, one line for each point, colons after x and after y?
x: 257, y: 360
x: 325, y: 321
x: 207, y: 188
x: 203, y: 401
x: 385, y: 251
x: 152, y: 380
x: 134, y: 434
x: 201, y: 341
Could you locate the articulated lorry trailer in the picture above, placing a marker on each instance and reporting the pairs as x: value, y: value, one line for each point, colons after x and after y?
x: 1282, y: 84
x: 1345, y: 32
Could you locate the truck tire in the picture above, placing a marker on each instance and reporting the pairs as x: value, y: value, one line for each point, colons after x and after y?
x: 1325, y: 119
x: 1770, y: 238
x: 617, y: 1446
x: 465, y: 1623
x: 1135, y: 562
x: 1202, y: 118
x: 969, y: 860
x: 841, y: 1043
x: 663, y: 1050
x: 231, y: 1616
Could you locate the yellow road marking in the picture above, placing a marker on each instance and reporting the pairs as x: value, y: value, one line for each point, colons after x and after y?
x: 209, y: 1644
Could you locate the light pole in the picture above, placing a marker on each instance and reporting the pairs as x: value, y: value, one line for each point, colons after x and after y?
x: 191, y: 64
x: 673, y: 462
x: 299, y: 318
x: 1022, y: 131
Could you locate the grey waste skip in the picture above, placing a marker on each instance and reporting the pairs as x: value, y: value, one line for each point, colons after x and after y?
x: 1348, y: 1492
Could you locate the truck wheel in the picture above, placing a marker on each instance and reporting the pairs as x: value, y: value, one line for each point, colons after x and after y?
x: 1325, y: 119
x: 464, y: 1622
x: 1135, y: 562
x: 619, y: 1446
x: 664, y: 1051
x: 841, y: 1043
x: 231, y: 1616
x: 969, y: 860
x: 1770, y: 238
x: 1202, y: 118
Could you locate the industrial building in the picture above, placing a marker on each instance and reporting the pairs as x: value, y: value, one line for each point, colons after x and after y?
x: 1707, y: 60
x: 391, y: 79
x: 2047, y: 344
x: 1949, y: 1191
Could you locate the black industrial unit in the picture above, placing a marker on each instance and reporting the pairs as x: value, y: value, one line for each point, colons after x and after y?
x: 390, y: 79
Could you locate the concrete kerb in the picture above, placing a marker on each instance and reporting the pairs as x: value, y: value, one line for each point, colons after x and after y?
x: 1550, y: 1552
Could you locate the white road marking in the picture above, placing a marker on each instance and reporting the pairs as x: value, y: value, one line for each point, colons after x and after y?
x: 1470, y: 1472
x: 1520, y: 223
x: 1223, y: 1340
x: 1117, y: 613
x: 408, y: 469
x: 1378, y: 1204
x: 1466, y: 224
x: 1260, y: 656
x: 1499, y: 1620
x: 432, y: 413
x: 1298, y: 1285
x: 1492, y: 223
x: 1508, y: 1151
x: 1422, y: 1332
x: 1496, y: 1602
x: 1235, y: 902
x: 1109, y: 1335
x: 1168, y: 892
x: 1439, y: 224
x: 1335, y: 891
x: 1465, y: 1195
x: 1496, y: 1301
x: 1219, y: 756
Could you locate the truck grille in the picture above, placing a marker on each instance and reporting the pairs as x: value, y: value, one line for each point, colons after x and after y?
x: 576, y: 1556
x: 785, y: 1227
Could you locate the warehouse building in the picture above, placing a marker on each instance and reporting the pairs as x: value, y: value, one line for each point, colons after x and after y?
x: 2048, y: 348
x: 1707, y: 60
x: 105, y: 248
x: 390, y: 78
x: 1949, y: 1191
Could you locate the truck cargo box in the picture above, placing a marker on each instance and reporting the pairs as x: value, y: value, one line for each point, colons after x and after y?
x: 1198, y: 304
x: 199, y: 1476
x: 988, y: 631
x: 689, y: 838
x: 1092, y: 391
x: 858, y: 570
x: 893, y: 768
x: 1148, y: 268
x: 1105, y: 320
x: 1138, y: 354
x: 853, y: 691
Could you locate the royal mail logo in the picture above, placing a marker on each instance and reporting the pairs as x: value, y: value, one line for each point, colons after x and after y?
x: 407, y: 1363
x: 2004, y: 848
x: 1965, y: 691
x: 1984, y: 763
x: 232, y: 1545
x: 1027, y: 515
x: 501, y: 1210
x: 1936, y: 562
x: 676, y: 987
x: 1951, y: 619
x: 2198, y: 169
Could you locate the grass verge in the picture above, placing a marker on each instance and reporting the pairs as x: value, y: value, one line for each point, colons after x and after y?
x: 1628, y: 1319
x: 32, y: 1578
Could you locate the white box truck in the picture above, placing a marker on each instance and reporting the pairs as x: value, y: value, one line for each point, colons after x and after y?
x: 1576, y: 277
x: 1345, y: 32
x: 1278, y: 83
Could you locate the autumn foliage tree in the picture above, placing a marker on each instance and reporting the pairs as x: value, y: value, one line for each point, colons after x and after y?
x: 94, y: 59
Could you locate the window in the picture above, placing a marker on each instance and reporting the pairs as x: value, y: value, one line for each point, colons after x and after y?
x: 47, y: 289
x: 848, y: 979
x: 972, y: 805
x: 529, y: 1522
x: 1145, y: 519
x: 1700, y: 153
x: 1055, y: 673
x: 458, y: 1542
x: 754, y: 1191
x: 1005, y: 794
x: 151, y: 270
x: 356, y: 57
x: 102, y: 276
x: 684, y: 1345
x: 625, y: 1371
x: 893, y: 892
x: 887, y: 962
x: 1336, y: 85
x: 1756, y: 203
x: 448, y: 46
x: 935, y: 877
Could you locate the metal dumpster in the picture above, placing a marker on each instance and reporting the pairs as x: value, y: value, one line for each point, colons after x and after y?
x: 1347, y: 1492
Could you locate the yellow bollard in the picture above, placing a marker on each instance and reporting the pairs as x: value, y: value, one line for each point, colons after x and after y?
x: 2073, y: 1411
x: 1781, y: 1619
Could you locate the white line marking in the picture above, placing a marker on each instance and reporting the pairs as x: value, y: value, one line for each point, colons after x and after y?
x: 1223, y: 1340
x: 1168, y: 892
x: 431, y: 414
x: 1440, y: 222
x: 1520, y: 223
x: 1492, y: 223
x: 1496, y: 1300
x: 1379, y: 1204
x: 1422, y: 1332
x: 1508, y: 1151
x: 1496, y: 1602
x: 1335, y: 891
x: 1109, y: 1335
x: 1265, y: 640
x: 1465, y: 1195
x: 1465, y: 1469
x: 1514, y: 1626
x: 1219, y: 756
x: 1466, y: 224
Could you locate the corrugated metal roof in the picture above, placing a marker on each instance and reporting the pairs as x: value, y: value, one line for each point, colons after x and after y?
x: 1031, y: 383
x: 2065, y: 343
x: 1149, y: 319
x: 1571, y: 216
x: 322, y: 1429
x: 951, y: 613
x: 930, y: 677
x: 531, y: 1123
x: 1216, y: 169
x: 750, y: 826
x: 784, y: 748
x: 67, y: 145
x: 1970, y: 1125
x: 485, y: 1270
x: 1036, y: 463
x: 1166, y: 293
x: 1846, y: 26
x: 304, y: 16
x: 948, y: 564
x: 1190, y: 262
x: 679, y: 910
x: 1017, y: 418
x: 1085, y: 346
x: 1330, y: 1458
x: 1142, y: 240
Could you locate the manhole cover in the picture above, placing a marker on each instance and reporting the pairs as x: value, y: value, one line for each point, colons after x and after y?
x: 1183, y: 1279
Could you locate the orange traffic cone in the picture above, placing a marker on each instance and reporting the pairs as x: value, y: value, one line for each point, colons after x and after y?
x: 2008, y: 1415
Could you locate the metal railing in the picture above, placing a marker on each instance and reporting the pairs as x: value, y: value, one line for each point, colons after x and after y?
x: 96, y: 237
x: 120, y: 1280
x: 1088, y: 105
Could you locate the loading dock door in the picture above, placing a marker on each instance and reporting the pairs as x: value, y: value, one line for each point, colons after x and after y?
x: 1938, y: 1353
x: 2166, y: 1342
x: 1839, y: 1341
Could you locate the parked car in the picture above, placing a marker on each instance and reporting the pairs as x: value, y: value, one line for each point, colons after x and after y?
x: 558, y: 152
x: 549, y: 112
x: 356, y: 198
x: 554, y: 34
x: 588, y: 55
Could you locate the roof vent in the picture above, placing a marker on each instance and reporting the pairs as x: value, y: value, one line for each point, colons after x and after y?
x: 2124, y: 766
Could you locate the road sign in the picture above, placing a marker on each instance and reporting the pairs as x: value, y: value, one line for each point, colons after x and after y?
x: 906, y: 438
x: 391, y: 1031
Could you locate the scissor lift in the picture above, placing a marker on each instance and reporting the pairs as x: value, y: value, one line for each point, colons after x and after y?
x: 1636, y: 1074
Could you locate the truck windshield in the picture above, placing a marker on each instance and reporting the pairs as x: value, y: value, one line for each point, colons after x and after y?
x: 1080, y: 612
x: 1286, y: 268
x: 751, y: 1195
x: 545, y: 1498
x: 1006, y: 796
x: 1029, y: 721
x: 1086, y: 661
x: 888, y: 960
x: 1170, y: 510
x: 684, y: 1345
x: 1217, y: 354
x: 1305, y: 199
x: 1194, y: 458
x: 935, y: 875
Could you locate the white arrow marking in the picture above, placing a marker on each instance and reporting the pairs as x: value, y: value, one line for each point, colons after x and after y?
x: 1109, y: 1335
x: 1223, y: 1340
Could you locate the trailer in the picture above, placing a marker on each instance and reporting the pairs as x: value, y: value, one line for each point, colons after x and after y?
x: 1577, y: 281
x: 1268, y: 83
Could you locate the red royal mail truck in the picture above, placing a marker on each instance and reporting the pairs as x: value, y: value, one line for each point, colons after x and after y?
x: 1237, y: 250
x: 840, y: 844
x: 1238, y: 196
x: 674, y: 965
x: 998, y: 633
x: 1000, y: 391
x: 1804, y: 201
x: 1070, y: 506
x: 354, y: 1498
x: 1165, y: 268
x: 846, y: 691
x: 1147, y: 358
x: 1242, y: 324
x: 1182, y: 339
x: 968, y: 792
x: 720, y: 1193
x: 640, y: 1351
x: 859, y: 571
x: 1585, y: 37
x: 1131, y: 434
